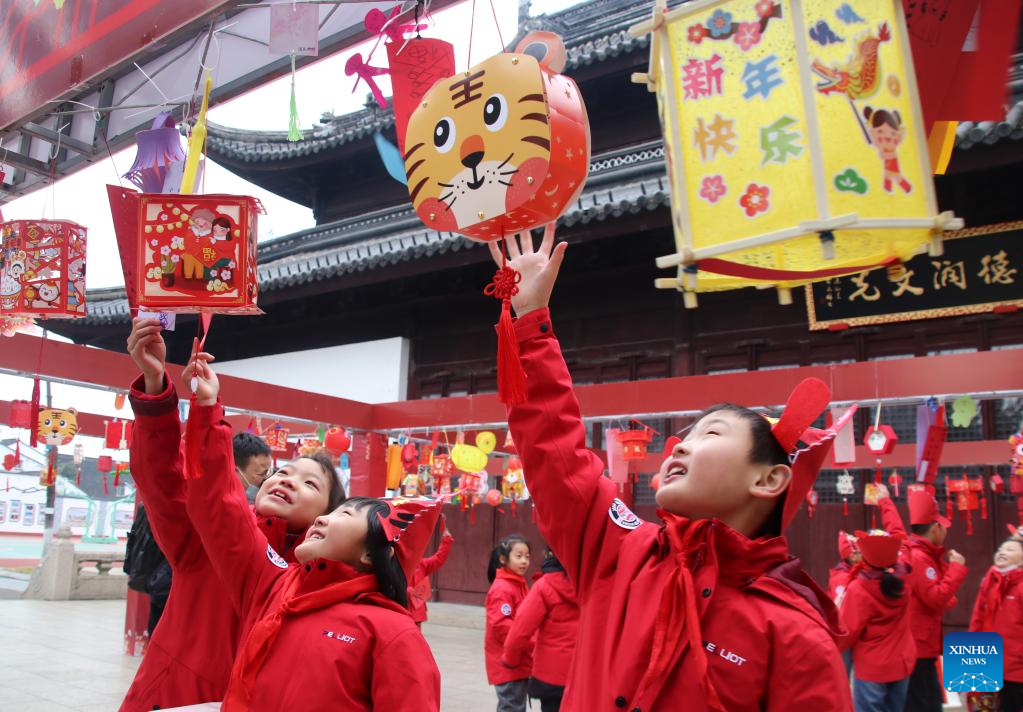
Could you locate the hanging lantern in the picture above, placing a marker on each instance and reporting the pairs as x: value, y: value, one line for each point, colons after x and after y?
x: 276, y: 436
x: 117, y: 434
x: 308, y: 446
x: 790, y: 161
x: 337, y: 440
x: 410, y: 484
x: 513, y: 482
x: 494, y: 498
x: 1016, y: 456
x: 473, y: 459
x: 846, y: 488
x: 415, y: 66
x: 105, y: 464
x: 159, y: 149
x: 410, y: 457
x: 56, y: 426
x: 42, y: 268
x: 635, y: 442
x: 967, y: 497
x: 188, y: 253
x: 20, y: 414
x: 997, y: 484
x: 880, y: 439
x: 79, y: 454
x: 441, y: 470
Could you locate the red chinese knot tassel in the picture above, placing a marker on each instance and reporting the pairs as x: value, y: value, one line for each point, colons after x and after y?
x: 511, y: 379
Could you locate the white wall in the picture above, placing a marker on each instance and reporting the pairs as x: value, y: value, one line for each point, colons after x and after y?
x: 371, y: 371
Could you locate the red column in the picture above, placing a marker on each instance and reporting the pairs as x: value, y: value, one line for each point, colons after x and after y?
x: 368, y: 461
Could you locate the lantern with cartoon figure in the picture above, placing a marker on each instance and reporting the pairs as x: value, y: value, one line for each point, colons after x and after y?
x: 795, y: 147
x: 967, y: 493
x: 441, y: 470
x: 42, y: 268
x: 513, y: 483
x: 1016, y: 456
x: 188, y: 253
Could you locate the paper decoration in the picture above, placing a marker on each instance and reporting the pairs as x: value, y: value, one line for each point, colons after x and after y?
x: 410, y: 484
x: 474, y: 459
x: 967, y: 495
x: 964, y: 410
x: 795, y: 145
x: 1016, y: 458
x: 513, y: 483
x: 409, y: 457
x: 117, y: 434
x: 294, y: 28
x: 186, y: 253
x: 105, y: 464
x: 395, y: 471
x: 42, y: 268
x: 158, y: 152
x: 11, y: 325
x: 308, y: 446
x: 20, y: 414
x: 880, y: 439
x: 931, y: 421
x: 276, y: 437
x: 57, y: 426
x: 415, y: 66
x: 844, y: 452
x: 871, y: 494
x: 502, y: 147
x: 337, y: 440
x: 634, y: 442
x: 442, y: 470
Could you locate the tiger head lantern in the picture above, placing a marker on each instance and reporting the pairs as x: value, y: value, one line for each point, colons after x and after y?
x: 502, y: 147
x: 57, y: 427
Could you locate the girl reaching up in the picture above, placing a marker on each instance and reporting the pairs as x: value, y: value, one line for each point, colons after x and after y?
x: 331, y: 631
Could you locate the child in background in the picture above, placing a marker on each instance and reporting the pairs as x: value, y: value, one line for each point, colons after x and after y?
x: 838, y: 575
x: 419, y: 584
x: 999, y: 609
x: 331, y: 631
x: 253, y: 460
x: 708, y: 610
x: 875, y: 611
x: 550, y: 613
x: 188, y: 659
x: 506, y: 572
x: 933, y: 583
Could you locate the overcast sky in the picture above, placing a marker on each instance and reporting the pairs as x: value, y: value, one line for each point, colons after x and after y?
x: 320, y: 87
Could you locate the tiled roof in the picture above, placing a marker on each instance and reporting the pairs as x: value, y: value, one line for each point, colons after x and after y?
x: 625, y: 181
x: 593, y: 32
x: 972, y: 133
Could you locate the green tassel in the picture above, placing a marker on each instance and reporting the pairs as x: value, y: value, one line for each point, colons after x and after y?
x: 294, y: 134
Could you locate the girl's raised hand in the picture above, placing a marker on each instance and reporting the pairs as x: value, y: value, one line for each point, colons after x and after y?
x: 538, y: 267
x: 199, y: 378
x: 149, y: 352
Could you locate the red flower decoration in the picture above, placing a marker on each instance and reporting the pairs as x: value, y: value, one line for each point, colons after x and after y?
x: 765, y: 8
x: 696, y: 33
x: 756, y: 199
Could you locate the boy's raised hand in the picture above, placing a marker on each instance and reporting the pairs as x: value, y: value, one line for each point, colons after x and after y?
x: 199, y: 378
x: 149, y: 352
x: 539, y: 268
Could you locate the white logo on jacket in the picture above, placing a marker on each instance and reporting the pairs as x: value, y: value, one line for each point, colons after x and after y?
x: 275, y: 558
x: 931, y: 573
x: 340, y: 637
x: 622, y: 515
x: 724, y: 653
x: 506, y: 610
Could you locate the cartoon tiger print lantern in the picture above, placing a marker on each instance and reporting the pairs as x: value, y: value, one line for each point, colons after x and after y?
x: 502, y: 147
x: 57, y: 427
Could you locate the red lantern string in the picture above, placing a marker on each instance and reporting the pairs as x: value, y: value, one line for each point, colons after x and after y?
x: 78, y: 477
x: 845, y: 506
x: 511, y: 379
x: 106, y: 491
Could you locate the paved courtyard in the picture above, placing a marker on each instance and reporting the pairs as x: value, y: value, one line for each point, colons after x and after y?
x: 59, y: 656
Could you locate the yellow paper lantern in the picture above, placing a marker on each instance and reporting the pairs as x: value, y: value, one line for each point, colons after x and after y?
x: 794, y: 141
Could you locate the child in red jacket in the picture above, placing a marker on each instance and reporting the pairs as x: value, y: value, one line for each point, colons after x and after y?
x: 999, y: 609
x: 506, y: 572
x: 875, y: 611
x: 708, y: 610
x: 838, y: 575
x: 333, y: 630
x: 933, y: 583
x: 419, y: 586
x: 550, y: 614
x: 188, y: 660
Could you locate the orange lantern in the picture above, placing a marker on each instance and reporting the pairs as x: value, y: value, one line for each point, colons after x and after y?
x: 188, y: 253
x: 502, y: 147
x: 494, y: 498
x: 42, y: 268
x: 635, y: 442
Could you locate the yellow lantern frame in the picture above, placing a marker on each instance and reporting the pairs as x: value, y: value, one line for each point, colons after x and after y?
x: 894, y: 237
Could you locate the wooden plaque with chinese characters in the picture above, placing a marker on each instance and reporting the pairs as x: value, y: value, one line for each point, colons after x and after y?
x: 981, y: 271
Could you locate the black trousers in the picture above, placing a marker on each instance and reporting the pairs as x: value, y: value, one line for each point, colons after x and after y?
x: 924, y: 688
x: 548, y: 694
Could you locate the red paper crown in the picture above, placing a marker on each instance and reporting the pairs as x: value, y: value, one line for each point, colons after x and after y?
x: 806, y: 446
x: 408, y: 525
x: 847, y: 545
x: 879, y: 550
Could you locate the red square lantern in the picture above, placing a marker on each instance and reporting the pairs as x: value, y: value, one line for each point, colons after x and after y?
x: 277, y: 438
x: 21, y: 415
x: 105, y: 464
x: 42, y: 268
x: 634, y: 442
x: 880, y: 439
x: 188, y: 253
x: 117, y: 434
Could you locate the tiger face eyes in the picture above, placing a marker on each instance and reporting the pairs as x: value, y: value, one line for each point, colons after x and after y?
x: 495, y: 112
x: 47, y: 422
x: 63, y: 423
x: 444, y: 135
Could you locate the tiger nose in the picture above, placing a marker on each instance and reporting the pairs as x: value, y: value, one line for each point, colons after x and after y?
x: 471, y: 151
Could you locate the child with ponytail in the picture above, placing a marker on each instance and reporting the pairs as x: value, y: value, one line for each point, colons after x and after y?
x: 506, y: 572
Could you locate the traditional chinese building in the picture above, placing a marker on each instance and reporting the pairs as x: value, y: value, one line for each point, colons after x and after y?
x: 369, y: 270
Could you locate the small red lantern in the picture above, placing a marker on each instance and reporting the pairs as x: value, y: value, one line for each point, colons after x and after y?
x: 337, y: 440
x: 967, y: 497
x: 441, y: 472
x: 494, y: 498
x: 117, y: 434
x: 997, y: 484
x: 634, y: 442
x: 20, y: 414
x: 105, y: 464
x: 880, y: 439
x: 42, y: 268
x: 277, y: 438
x: 410, y: 457
x: 10, y: 462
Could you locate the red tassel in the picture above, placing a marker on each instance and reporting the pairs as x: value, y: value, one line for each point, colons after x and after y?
x: 117, y: 477
x: 192, y: 471
x: 949, y: 512
x: 33, y: 429
x: 514, y: 509
x: 983, y: 507
x: 511, y: 379
x: 532, y: 514
x: 106, y: 492
x: 969, y: 522
x: 78, y: 477
x: 845, y: 507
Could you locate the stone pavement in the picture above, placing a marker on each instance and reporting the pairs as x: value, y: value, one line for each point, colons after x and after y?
x: 63, y: 656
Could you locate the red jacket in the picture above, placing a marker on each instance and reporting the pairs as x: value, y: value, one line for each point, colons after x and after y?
x: 838, y: 581
x: 933, y: 583
x: 551, y: 613
x: 188, y: 660
x: 360, y: 655
x: 999, y: 609
x: 503, y: 600
x: 759, y: 612
x: 879, y: 631
x: 419, y: 588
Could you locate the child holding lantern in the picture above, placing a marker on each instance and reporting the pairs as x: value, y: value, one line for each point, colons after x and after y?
x: 704, y: 610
